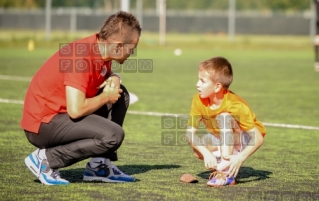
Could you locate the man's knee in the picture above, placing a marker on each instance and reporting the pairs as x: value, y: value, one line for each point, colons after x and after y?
x: 113, y: 137
x: 125, y: 95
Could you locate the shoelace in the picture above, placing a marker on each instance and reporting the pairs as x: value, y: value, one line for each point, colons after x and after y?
x: 218, y: 175
x: 55, y: 174
x: 116, y: 170
x: 40, y: 164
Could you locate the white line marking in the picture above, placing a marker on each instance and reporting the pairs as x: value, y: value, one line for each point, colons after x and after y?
x: 11, y: 101
x: 158, y: 114
x: 15, y: 78
x: 134, y: 99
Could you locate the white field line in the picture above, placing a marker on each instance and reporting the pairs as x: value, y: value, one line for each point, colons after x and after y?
x: 15, y: 78
x: 134, y: 99
x: 11, y: 101
x: 265, y: 123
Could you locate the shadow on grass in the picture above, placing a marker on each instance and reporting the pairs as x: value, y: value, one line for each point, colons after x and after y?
x: 246, y: 174
x: 76, y: 175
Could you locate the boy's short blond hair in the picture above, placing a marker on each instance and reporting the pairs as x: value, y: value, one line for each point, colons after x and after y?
x: 220, y: 70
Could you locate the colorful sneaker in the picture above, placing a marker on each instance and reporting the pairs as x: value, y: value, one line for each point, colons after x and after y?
x: 41, y: 169
x: 50, y: 176
x: 217, y: 178
x: 33, y: 162
x: 106, y: 173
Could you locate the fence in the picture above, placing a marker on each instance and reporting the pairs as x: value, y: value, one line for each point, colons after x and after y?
x: 178, y: 22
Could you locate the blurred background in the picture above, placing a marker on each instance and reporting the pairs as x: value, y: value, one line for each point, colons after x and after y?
x: 223, y: 17
x: 270, y: 44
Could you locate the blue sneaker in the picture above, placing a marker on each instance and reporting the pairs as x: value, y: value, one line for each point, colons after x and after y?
x: 217, y: 178
x: 50, y: 176
x: 106, y: 173
x: 41, y: 169
x: 33, y: 162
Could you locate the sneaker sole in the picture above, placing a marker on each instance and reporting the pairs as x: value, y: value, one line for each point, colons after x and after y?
x: 34, y: 169
x: 45, y: 182
x: 231, y: 184
x: 31, y: 166
x: 103, y: 179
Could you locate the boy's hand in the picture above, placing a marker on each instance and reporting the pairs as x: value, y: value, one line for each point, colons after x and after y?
x: 235, y: 161
x: 210, y: 161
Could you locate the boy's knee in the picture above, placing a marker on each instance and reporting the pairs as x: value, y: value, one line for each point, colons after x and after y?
x: 210, y: 142
x: 225, y: 155
x: 198, y: 154
x: 226, y: 121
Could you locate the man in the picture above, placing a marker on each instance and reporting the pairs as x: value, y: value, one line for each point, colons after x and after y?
x: 65, y: 112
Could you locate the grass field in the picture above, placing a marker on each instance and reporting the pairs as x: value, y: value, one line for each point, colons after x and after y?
x: 274, y: 74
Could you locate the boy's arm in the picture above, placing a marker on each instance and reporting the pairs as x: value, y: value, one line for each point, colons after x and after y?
x: 256, y: 140
x: 191, y: 137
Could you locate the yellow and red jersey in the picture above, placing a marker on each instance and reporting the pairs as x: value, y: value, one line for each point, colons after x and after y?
x: 202, y: 114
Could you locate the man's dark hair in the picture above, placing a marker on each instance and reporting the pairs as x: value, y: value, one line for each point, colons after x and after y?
x: 120, y: 25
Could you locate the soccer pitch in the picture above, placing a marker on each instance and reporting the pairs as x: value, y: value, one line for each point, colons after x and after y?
x: 275, y: 75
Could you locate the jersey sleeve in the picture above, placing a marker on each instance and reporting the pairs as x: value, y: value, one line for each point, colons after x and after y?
x: 79, y: 78
x: 243, y: 115
x: 195, y: 114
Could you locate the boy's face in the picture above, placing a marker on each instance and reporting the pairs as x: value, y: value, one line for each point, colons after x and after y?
x: 205, y: 85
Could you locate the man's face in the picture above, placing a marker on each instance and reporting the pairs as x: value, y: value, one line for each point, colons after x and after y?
x: 121, y: 51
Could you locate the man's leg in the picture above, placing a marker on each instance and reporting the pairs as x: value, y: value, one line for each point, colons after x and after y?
x: 117, y: 113
x: 64, y: 142
x: 68, y: 141
x: 118, y: 109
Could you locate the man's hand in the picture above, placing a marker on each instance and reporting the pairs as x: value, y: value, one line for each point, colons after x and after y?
x: 111, y: 90
x: 235, y: 161
x: 112, y: 83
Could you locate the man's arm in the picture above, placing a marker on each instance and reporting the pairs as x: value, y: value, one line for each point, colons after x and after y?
x: 116, y: 80
x: 78, y: 105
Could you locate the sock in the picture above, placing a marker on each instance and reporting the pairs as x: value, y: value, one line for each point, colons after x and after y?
x: 42, y: 155
x: 96, y: 161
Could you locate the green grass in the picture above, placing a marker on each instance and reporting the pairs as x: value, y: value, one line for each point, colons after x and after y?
x: 275, y: 75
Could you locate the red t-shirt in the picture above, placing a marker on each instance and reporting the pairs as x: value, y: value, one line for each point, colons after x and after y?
x: 79, y: 65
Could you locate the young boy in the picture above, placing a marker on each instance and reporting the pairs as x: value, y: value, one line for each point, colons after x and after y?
x: 234, y: 132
